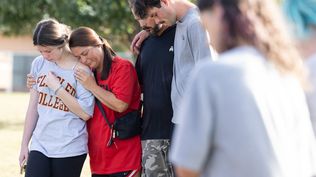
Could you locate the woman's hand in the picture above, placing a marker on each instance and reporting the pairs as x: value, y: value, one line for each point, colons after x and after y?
x: 85, y: 79
x: 24, y: 154
x: 52, y: 81
x: 30, y: 81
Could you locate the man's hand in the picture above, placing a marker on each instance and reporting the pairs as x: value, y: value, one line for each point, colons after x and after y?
x: 137, y: 41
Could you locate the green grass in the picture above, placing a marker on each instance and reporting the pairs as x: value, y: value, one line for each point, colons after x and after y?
x: 13, y: 107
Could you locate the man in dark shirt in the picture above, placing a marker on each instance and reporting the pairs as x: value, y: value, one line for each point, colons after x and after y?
x: 154, y: 67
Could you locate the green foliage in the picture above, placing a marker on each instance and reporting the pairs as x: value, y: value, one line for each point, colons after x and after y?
x: 112, y: 19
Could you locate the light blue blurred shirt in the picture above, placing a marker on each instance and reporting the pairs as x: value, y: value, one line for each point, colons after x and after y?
x: 311, y: 93
x: 240, y: 117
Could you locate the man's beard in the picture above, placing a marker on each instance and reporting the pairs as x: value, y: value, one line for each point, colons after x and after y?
x: 156, y: 29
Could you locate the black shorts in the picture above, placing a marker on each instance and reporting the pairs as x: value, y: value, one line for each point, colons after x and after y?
x: 39, y: 165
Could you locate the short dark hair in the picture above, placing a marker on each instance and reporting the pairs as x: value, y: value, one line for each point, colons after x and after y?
x: 140, y: 7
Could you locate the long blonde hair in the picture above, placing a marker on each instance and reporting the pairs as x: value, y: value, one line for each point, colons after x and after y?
x: 273, y: 39
x: 260, y: 23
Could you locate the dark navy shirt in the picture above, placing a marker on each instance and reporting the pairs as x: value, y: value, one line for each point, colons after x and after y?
x: 154, y: 68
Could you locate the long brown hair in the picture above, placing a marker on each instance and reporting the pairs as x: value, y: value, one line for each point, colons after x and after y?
x: 260, y: 23
x: 84, y: 36
x: 50, y: 32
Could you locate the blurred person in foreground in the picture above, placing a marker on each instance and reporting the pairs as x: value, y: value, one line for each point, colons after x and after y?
x: 302, y: 14
x: 245, y: 115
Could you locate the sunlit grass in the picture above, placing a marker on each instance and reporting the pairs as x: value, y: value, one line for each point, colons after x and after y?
x: 13, y: 107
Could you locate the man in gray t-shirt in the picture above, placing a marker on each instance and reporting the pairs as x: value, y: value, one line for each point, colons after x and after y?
x: 191, y: 45
x: 191, y: 41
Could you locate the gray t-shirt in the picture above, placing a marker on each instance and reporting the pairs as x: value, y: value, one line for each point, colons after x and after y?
x: 59, y: 132
x: 240, y: 117
x: 190, y: 45
x: 311, y: 94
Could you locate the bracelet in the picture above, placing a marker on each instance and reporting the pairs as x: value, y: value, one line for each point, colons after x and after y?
x: 60, y: 86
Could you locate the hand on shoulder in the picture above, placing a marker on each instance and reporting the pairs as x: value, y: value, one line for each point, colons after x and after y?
x: 83, y: 67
